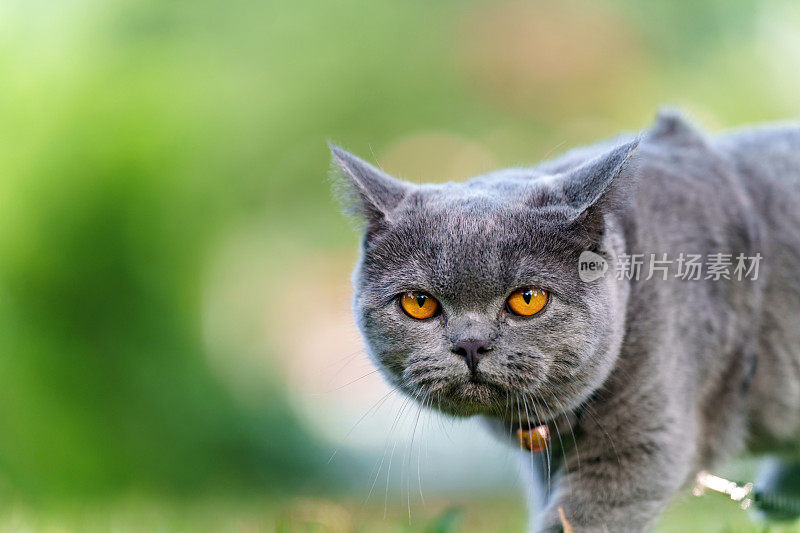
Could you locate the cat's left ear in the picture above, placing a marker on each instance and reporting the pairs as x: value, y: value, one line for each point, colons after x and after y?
x: 600, y: 184
x: 366, y: 191
x: 585, y: 194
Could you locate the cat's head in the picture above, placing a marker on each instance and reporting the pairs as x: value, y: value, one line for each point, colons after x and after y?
x: 468, y: 294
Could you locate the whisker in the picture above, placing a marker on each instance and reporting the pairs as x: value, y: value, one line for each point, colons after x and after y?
x: 419, y: 453
x: 391, y: 457
x: 565, y: 469
x: 511, y: 417
x: 553, y: 149
x: 407, y: 455
x: 375, y: 407
x: 519, y: 415
x: 385, y: 450
x: 525, y: 405
x: 571, y: 430
x: 586, y: 409
x: 344, y: 361
x: 546, y: 444
x: 356, y: 380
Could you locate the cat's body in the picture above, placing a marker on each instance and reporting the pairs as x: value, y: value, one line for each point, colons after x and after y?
x: 642, y: 381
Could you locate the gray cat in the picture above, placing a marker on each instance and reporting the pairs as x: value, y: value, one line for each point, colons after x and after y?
x: 470, y: 299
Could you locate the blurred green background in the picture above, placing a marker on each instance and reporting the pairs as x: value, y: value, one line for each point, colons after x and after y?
x: 176, y: 348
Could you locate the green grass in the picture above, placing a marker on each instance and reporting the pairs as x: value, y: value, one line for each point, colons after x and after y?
x: 496, y: 513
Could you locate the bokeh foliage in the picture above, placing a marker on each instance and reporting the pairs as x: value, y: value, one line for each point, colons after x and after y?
x: 136, y: 135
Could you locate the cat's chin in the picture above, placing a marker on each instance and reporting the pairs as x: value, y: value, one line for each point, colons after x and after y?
x: 478, y: 392
x: 470, y: 398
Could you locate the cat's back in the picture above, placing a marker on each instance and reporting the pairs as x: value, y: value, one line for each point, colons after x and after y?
x: 767, y: 160
x: 735, y: 192
x: 767, y: 154
x: 738, y: 188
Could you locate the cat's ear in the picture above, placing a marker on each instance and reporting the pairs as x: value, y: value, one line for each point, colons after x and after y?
x: 585, y: 194
x: 366, y: 191
x: 602, y: 183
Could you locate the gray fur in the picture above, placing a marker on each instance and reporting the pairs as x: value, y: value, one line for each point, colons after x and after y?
x: 644, y: 382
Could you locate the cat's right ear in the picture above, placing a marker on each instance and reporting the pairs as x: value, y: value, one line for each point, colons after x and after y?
x: 365, y: 191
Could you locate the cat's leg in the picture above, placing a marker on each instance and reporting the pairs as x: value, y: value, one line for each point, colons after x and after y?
x: 626, y: 465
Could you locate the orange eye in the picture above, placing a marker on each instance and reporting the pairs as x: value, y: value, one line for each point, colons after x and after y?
x: 418, y: 304
x: 527, y: 302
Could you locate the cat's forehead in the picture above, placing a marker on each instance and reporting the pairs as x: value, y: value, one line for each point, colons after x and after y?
x: 479, y: 197
x: 501, y: 185
x: 465, y: 214
x: 467, y: 241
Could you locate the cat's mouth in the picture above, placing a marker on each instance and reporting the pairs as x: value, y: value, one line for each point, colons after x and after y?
x: 471, y: 397
x: 477, y: 390
x: 532, y: 432
x: 478, y: 396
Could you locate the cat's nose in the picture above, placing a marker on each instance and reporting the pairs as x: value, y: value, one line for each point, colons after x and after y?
x: 472, y: 350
